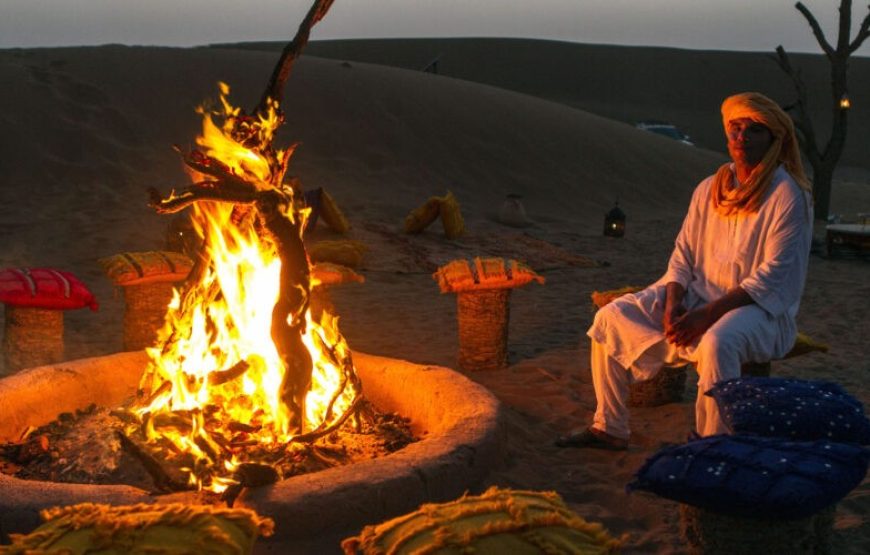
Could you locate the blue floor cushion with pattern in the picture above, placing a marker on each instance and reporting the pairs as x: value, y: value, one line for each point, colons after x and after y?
x: 800, y: 410
x: 750, y: 476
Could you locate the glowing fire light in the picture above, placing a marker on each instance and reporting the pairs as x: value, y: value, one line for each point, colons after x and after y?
x: 214, y: 378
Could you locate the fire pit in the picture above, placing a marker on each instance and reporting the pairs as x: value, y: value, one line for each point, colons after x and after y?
x: 458, y: 422
x: 243, y: 373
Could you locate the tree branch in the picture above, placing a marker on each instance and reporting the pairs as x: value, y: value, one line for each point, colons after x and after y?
x: 845, y: 27
x: 863, y: 33
x: 206, y: 190
x: 817, y: 30
x: 802, y: 120
x: 275, y: 88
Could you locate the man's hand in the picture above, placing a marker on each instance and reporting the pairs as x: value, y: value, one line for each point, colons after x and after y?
x: 674, y: 308
x: 688, y: 328
x: 672, y: 314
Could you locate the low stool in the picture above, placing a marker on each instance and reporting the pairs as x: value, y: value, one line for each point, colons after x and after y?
x: 667, y: 386
x: 34, y: 300
x: 483, y: 287
x: 709, y: 533
x: 148, y: 280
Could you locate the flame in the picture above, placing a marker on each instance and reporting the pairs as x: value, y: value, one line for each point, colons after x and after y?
x: 215, y: 376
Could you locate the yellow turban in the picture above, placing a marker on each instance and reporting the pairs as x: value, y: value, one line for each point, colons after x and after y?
x: 784, y: 150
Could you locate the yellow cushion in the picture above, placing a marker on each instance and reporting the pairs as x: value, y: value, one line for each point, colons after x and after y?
x: 499, y: 521
x: 420, y: 218
x: 174, y: 529
x: 804, y: 344
x: 332, y: 214
x: 346, y: 253
x: 601, y: 298
x: 484, y: 273
x: 134, y: 268
x: 451, y: 217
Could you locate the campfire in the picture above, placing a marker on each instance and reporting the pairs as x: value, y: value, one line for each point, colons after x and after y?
x: 242, y: 372
x: 243, y: 379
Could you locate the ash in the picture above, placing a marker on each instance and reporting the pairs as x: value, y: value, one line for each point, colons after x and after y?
x: 90, y: 447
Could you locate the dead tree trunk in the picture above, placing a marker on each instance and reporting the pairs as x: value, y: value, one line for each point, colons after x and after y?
x: 825, y: 160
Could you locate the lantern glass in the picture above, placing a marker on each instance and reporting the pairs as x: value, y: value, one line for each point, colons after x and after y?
x: 614, y: 222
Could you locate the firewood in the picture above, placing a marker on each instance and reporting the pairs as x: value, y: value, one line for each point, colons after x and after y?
x: 162, y: 481
x: 224, y: 376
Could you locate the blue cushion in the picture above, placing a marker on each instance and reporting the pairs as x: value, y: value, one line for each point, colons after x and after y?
x: 800, y: 410
x: 753, y: 476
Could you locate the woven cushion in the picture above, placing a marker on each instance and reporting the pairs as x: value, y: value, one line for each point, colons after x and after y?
x: 804, y: 344
x: 136, y: 268
x: 89, y: 528
x: 602, y: 298
x: 484, y: 273
x: 44, y: 288
x: 755, y: 477
x: 326, y: 273
x: 499, y: 521
x: 800, y: 410
x: 345, y: 252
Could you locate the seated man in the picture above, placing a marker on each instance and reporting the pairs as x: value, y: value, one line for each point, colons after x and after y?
x: 733, y: 284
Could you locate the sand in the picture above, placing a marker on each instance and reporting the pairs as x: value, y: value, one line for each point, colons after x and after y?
x: 87, y: 130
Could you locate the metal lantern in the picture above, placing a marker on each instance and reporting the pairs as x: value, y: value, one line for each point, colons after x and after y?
x: 845, y: 103
x: 614, y: 222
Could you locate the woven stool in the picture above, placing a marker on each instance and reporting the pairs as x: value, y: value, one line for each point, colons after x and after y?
x: 483, y: 328
x: 756, y: 369
x: 666, y: 387
x: 325, y: 276
x: 144, y: 313
x: 483, y: 306
x: 33, y: 337
x: 320, y: 301
x: 715, y: 534
x: 35, y: 299
x: 148, y: 279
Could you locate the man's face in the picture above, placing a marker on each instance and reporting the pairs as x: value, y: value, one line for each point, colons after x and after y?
x: 748, y: 141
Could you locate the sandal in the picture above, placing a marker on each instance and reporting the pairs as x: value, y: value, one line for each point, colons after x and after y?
x: 592, y: 439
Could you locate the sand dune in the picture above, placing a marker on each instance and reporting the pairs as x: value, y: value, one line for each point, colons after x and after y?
x: 87, y: 130
x: 627, y: 83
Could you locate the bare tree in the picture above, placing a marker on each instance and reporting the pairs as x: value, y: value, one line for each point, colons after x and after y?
x: 825, y: 160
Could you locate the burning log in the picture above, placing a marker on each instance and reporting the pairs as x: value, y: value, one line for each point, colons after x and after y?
x: 162, y: 480
x: 230, y: 374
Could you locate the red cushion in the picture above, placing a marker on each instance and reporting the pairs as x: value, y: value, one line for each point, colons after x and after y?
x: 44, y: 288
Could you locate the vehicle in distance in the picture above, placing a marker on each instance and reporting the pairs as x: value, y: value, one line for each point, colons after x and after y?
x: 665, y: 129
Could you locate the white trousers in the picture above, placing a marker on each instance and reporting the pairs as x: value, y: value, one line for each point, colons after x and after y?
x: 611, y: 382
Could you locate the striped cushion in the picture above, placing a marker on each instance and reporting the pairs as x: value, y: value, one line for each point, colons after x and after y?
x: 44, y: 288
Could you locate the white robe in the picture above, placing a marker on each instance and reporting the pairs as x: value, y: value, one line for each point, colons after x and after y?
x: 766, y: 253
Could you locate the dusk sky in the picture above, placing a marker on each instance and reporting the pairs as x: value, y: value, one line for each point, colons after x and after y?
x: 758, y: 25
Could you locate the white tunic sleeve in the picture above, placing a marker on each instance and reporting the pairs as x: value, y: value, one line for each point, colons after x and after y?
x: 683, y: 261
x: 776, y: 283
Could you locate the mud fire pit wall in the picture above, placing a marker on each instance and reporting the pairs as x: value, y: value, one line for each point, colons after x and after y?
x: 459, y: 423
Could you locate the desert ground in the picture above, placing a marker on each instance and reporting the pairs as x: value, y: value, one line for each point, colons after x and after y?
x: 86, y: 130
